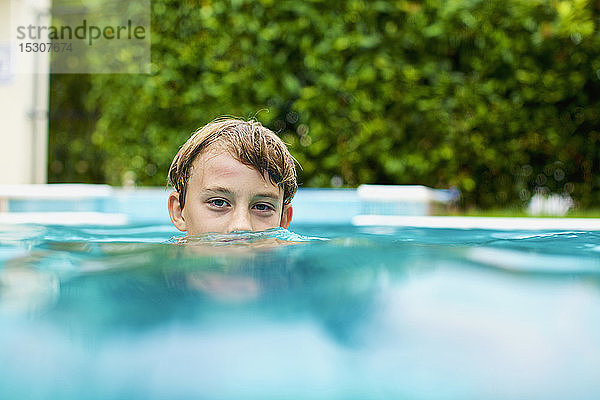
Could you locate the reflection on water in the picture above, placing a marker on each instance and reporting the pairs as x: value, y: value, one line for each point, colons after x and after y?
x: 256, y: 239
x: 402, y: 313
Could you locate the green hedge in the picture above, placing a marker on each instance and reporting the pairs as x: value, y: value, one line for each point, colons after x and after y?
x: 497, y: 98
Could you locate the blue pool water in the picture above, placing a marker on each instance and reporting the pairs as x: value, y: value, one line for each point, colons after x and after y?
x: 371, y: 313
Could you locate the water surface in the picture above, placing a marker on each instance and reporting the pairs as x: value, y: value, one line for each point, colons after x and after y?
x: 372, y: 313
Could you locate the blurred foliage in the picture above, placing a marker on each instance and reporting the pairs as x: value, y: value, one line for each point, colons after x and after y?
x: 497, y: 98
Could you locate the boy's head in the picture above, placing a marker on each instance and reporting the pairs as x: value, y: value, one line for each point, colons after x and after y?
x: 232, y: 175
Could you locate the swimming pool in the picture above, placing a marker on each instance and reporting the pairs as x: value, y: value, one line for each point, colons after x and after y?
x: 378, y: 312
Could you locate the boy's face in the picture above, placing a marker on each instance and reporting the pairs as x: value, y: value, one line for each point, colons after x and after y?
x: 223, y: 195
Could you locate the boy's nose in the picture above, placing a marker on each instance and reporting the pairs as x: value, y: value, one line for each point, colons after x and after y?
x: 240, y: 221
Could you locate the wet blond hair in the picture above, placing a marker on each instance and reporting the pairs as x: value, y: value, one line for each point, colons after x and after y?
x: 248, y: 142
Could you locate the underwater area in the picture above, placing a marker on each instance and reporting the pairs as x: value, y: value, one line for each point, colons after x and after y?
x: 323, y: 312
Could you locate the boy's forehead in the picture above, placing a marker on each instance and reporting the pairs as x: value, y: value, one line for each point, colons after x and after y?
x: 217, y: 163
x: 216, y: 160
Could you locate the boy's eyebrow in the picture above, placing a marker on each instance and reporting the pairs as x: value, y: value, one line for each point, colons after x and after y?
x: 267, y: 195
x: 217, y: 190
x: 225, y: 191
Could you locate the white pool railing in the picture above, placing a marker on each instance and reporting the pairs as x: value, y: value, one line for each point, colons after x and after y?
x: 56, y: 193
x: 499, y: 223
x: 74, y: 218
x: 369, y: 205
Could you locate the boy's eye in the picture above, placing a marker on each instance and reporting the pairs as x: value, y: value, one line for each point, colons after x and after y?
x: 220, y: 203
x: 263, y: 207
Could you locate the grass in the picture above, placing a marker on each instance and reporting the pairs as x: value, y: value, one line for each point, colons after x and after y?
x: 515, y: 212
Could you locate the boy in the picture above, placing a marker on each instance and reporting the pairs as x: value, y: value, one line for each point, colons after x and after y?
x: 232, y: 175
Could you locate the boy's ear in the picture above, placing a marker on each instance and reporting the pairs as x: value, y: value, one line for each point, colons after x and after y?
x: 175, y: 212
x: 286, y: 216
